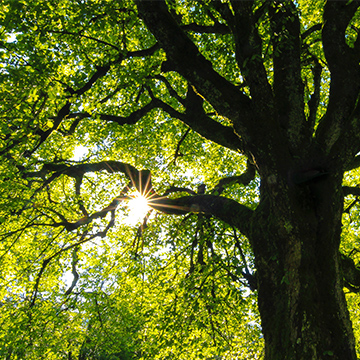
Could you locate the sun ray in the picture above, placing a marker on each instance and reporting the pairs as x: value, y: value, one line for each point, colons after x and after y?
x: 139, y: 207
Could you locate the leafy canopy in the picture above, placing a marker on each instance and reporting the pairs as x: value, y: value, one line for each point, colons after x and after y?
x: 88, y: 109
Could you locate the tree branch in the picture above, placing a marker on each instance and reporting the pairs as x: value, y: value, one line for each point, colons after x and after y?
x: 314, y: 101
x: 74, y: 171
x: 196, y: 118
x: 262, y: 133
x: 335, y: 126
x: 143, y: 52
x: 75, y: 260
x: 351, y: 273
x: 337, y: 15
x: 201, y: 123
x: 251, y: 278
x: 350, y: 190
x: 225, y: 209
x: 309, y: 31
x: 100, y: 72
x: 45, y: 263
x: 172, y: 92
x: 173, y: 189
x: 355, y: 163
x: 243, y: 179
x: 61, y: 115
x: 177, y: 151
x: 249, y: 55
x: 217, y: 28
x: 288, y: 86
x: 64, y: 32
x: 186, y: 59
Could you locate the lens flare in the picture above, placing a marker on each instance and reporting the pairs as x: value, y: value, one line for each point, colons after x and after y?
x: 139, y: 207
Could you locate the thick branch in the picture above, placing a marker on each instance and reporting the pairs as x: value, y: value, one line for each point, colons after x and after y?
x: 351, y: 273
x: 337, y: 15
x: 288, y: 85
x: 140, y: 179
x: 252, y: 121
x: 202, y: 124
x: 355, y: 163
x: 144, y: 52
x: 312, y: 29
x: 350, y: 190
x: 186, y: 59
x: 261, y: 135
x: 197, y: 119
x: 249, y: 55
x: 243, y: 179
x: 100, y: 72
x: 79, y: 170
x: 314, y: 101
x: 227, y: 210
x: 343, y: 63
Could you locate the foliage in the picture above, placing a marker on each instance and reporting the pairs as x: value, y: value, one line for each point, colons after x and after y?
x: 91, y: 102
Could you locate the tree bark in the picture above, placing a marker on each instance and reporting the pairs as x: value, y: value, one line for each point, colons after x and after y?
x: 300, y: 290
x: 295, y: 231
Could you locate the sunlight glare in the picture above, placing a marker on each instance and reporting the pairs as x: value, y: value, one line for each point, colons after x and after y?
x: 139, y: 207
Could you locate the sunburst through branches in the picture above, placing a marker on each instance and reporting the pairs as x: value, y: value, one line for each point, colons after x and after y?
x: 139, y: 207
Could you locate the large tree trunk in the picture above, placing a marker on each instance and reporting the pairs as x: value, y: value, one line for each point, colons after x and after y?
x: 301, y: 300
x: 296, y: 229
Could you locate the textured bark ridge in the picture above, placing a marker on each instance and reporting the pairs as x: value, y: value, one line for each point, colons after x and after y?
x: 301, y: 300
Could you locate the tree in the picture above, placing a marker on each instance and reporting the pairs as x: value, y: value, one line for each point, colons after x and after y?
x: 239, y: 118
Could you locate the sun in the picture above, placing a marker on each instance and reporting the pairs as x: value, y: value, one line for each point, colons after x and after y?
x: 139, y: 207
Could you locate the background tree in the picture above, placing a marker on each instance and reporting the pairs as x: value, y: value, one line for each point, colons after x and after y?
x: 241, y: 118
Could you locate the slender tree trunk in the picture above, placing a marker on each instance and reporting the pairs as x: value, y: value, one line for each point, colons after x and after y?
x: 301, y: 300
